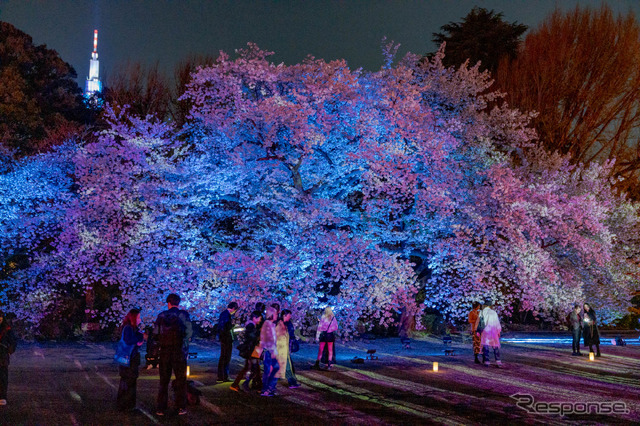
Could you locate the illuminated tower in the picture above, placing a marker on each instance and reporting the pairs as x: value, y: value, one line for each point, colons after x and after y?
x: 93, y: 81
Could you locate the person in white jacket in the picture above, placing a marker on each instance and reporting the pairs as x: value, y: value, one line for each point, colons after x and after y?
x: 326, y: 335
x: 489, y: 330
x: 269, y: 354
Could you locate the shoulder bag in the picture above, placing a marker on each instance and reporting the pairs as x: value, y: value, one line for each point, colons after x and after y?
x: 123, y: 352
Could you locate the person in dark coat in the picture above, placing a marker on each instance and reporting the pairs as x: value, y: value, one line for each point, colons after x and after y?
x: 173, y: 332
x: 575, y: 325
x: 590, y: 329
x: 7, y: 347
x: 225, y: 327
x: 256, y: 369
x: 250, y: 341
x: 289, y: 371
x: 126, y: 400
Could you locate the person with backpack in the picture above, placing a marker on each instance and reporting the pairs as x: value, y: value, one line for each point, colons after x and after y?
x: 173, y: 332
x: 126, y: 399
x: 7, y: 347
x: 250, y: 340
x: 225, y: 327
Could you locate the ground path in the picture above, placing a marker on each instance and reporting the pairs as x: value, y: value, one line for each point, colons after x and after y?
x: 75, y: 384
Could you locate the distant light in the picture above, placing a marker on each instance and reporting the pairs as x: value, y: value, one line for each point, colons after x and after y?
x: 188, y: 371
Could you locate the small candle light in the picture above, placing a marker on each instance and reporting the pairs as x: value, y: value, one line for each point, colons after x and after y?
x: 592, y: 356
x: 188, y: 371
x: 435, y: 366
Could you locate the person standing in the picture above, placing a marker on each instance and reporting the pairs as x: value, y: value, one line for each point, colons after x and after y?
x: 7, y: 347
x: 473, y: 320
x: 126, y: 399
x: 282, y: 342
x: 256, y: 383
x: 246, y: 348
x: 225, y: 327
x: 325, y: 335
x: 173, y: 331
x: 575, y: 324
x: 269, y: 354
x: 286, y: 371
x: 590, y: 329
x: 490, y: 336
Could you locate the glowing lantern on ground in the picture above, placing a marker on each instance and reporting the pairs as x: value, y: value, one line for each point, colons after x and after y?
x: 435, y: 366
x: 591, y: 356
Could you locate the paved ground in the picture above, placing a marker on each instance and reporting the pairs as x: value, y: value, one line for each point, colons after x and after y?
x: 69, y: 384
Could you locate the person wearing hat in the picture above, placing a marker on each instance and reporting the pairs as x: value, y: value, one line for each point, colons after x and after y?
x: 7, y: 347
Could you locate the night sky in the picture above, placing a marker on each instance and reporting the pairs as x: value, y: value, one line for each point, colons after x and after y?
x: 166, y: 32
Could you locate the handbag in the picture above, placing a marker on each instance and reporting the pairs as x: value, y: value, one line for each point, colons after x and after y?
x: 481, y: 325
x: 123, y: 352
x: 294, y: 345
x: 257, y: 352
x: 324, y: 334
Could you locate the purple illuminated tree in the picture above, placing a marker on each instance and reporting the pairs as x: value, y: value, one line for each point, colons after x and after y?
x: 313, y: 185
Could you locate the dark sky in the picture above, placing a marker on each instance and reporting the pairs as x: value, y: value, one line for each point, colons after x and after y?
x: 163, y: 31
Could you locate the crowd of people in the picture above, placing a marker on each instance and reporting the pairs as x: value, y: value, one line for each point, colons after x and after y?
x: 266, y: 345
x: 268, y: 339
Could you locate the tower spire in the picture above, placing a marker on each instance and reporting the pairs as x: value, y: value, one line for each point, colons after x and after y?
x: 93, y: 84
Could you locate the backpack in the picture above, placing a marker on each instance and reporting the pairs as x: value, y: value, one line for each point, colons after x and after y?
x: 171, y: 330
x: 568, y: 321
x: 245, y: 348
x: 481, y: 324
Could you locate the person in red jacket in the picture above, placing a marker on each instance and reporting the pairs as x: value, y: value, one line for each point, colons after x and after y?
x: 473, y: 318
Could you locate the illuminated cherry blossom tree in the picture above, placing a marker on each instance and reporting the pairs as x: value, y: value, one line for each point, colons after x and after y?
x: 313, y: 185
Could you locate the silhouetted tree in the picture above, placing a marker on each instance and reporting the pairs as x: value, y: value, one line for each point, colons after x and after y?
x: 144, y: 89
x: 481, y: 36
x: 182, y: 76
x: 40, y: 101
x: 581, y: 72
